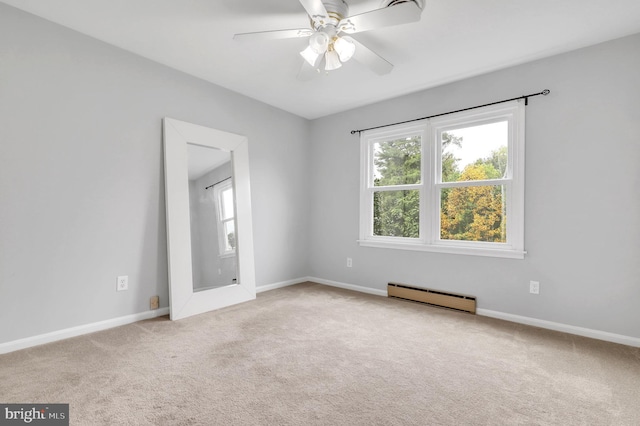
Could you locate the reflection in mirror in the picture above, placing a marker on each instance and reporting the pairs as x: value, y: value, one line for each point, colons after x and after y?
x: 212, y: 216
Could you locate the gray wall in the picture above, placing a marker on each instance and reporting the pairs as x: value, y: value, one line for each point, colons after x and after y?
x: 81, y: 176
x: 582, y: 205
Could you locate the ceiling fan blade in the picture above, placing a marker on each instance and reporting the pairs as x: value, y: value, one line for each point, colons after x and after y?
x: 315, y: 9
x: 402, y: 13
x: 274, y: 35
x: 307, y: 72
x: 371, y: 59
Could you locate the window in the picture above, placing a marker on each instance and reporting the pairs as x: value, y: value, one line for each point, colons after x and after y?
x: 452, y: 184
x: 223, y: 193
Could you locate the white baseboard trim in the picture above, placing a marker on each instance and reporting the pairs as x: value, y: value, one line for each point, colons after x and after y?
x: 267, y: 287
x: 353, y: 287
x: 79, y: 330
x: 330, y: 283
x: 565, y: 328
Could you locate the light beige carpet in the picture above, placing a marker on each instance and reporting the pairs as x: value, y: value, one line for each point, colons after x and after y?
x: 315, y: 355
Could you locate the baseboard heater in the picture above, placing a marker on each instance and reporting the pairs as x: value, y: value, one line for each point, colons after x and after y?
x: 458, y: 302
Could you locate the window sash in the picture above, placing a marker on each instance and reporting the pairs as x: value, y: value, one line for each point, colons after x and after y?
x: 437, y: 229
x: 408, y: 132
x: 219, y: 191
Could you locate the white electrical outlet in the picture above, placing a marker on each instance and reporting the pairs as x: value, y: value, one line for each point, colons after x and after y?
x: 122, y: 283
x: 349, y: 262
x: 534, y: 287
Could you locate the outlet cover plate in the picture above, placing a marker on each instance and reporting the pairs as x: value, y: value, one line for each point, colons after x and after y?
x: 534, y: 287
x: 122, y: 283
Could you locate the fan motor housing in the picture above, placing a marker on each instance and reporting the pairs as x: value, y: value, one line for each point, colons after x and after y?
x: 387, y: 3
x: 337, y: 10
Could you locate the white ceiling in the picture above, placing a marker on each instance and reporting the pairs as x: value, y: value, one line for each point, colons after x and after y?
x: 203, y: 159
x: 455, y: 39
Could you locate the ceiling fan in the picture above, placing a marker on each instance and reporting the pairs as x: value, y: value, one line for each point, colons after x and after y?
x: 330, y: 44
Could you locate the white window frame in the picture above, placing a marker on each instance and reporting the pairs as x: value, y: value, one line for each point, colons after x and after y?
x: 430, y: 130
x: 218, y: 190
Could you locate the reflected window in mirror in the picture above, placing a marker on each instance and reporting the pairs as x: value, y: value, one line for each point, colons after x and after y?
x: 212, y: 217
x: 223, y: 194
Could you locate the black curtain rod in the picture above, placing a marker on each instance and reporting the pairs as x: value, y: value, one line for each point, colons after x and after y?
x: 220, y: 181
x: 525, y: 97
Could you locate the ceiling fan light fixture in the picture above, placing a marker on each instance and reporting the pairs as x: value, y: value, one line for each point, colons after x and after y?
x: 319, y: 42
x: 332, y: 61
x: 345, y: 48
x: 310, y: 56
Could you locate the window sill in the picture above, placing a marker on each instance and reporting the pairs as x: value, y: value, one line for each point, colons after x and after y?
x: 448, y: 249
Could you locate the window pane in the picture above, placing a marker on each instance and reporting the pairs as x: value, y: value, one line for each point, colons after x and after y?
x: 475, y: 153
x: 226, y: 198
x: 397, y: 162
x: 396, y: 214
x: 475, y: 213
x: 230, y: 233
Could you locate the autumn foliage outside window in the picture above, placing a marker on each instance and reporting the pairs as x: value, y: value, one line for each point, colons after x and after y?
x: 474, y: 213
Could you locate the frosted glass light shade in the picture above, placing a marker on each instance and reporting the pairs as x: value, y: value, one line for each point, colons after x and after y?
x: 345, y: 48
x: 310, y: 56
x: 332, y: 61
x: 319, y: 41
